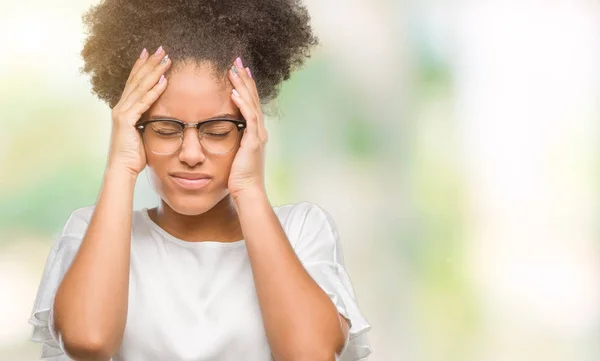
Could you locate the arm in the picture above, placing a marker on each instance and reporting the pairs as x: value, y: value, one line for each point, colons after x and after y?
x: 90, y: 307
x: 300, y: 320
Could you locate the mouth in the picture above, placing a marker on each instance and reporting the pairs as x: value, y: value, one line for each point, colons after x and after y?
x: 190, y: 182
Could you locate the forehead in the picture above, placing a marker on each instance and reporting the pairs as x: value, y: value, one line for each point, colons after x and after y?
x: 194, y: 93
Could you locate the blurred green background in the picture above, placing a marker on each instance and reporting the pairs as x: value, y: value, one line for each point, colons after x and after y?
x: 454, y: 142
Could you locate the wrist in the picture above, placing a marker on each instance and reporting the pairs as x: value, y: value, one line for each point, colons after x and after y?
x: 120, y: 172
x: 250, y: 196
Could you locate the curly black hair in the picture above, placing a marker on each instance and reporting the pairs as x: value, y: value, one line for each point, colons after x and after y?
x: 273, y: 37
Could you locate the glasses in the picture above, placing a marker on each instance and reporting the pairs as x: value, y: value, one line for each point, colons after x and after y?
x: 165, y: 136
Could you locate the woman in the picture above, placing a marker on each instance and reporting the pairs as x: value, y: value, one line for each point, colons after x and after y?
x: 214, y: 272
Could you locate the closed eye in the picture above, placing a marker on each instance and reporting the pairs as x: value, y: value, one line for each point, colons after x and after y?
x: 166, y: 133
x: 216, y: 135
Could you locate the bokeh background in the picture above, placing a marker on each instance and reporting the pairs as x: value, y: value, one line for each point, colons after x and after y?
x: 455, y: 143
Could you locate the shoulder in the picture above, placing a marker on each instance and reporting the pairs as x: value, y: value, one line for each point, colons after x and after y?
x: 78, y: 221
x: 73, y: 231
x: 304, y: 218
x: 77, y: 224
x: 301, y: 212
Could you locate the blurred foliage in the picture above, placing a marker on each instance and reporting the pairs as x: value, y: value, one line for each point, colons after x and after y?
x: 328, y: 119
x: 43, y: 206
x: 53, y: 170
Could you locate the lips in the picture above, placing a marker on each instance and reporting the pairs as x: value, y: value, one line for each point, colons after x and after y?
x: 190, y: 181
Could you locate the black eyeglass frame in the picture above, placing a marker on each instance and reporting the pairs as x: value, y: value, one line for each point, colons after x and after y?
x: 141, y: 126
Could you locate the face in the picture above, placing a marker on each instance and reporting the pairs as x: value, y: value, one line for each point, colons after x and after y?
x: 193, y: 94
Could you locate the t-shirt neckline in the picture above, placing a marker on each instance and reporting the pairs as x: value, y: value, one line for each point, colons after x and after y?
x: 182, y: 242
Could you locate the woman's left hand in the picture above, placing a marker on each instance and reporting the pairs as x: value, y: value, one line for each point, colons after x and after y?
x: 247, y: 170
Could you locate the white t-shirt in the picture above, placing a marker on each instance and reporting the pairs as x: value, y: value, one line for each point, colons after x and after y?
x: 196, y: 300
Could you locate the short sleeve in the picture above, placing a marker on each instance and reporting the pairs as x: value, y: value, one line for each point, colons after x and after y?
x: 318, y: 248
x: 58, y: 262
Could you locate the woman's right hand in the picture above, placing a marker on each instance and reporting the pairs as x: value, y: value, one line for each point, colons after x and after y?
x: 145, y: 84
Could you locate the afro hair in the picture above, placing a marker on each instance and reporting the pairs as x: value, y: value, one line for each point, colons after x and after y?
x: 273, y: 37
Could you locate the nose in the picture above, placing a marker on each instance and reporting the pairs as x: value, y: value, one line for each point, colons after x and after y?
x: 191, y: 151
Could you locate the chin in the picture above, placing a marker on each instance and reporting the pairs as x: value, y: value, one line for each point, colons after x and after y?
x: 188, y: 203
x: 193, y: 204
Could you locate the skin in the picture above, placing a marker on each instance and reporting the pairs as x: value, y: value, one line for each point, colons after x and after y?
x: 90, y: 307
x: 208, y: 213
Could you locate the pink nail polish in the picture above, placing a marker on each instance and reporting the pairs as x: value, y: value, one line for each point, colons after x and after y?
x: 158, y: 50
x: 249, y: 73
x: 238, y: 62
x: 235, y: 92
x: 143, y: 53
x: 162, y: 78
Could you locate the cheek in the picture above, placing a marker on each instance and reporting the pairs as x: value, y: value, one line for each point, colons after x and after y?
x: 156, y: 172
x: 228, y: 160
x: 223, y: 165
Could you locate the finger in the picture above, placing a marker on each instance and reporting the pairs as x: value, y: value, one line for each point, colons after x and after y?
x: 248, y: 112
x: 153, y: 61
x: 246, y: 87
x: 254, y: 91
x: 238, y: 72
x: 150, y: 97
x: 251, y: 84
x: 246, y: 76
x: 244, y: 93
x: 141, y: 60
x: 258, y: 128
x: 147, y: 83
x: 239, y: 85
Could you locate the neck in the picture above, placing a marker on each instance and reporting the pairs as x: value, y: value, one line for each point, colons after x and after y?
x: 220, y: 223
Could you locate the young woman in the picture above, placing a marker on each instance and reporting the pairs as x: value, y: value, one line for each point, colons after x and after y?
x: 214, y: 272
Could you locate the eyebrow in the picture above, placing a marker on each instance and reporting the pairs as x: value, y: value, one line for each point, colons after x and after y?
x: 223, y: 115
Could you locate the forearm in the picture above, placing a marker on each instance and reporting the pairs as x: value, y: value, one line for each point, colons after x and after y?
x: 90, y: 308
x: 300, y: 320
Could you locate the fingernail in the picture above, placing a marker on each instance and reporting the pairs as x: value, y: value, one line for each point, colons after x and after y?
x: 164, y: 61
x: 158, y: 50
x: 234, y: 70
x: 238, y: 62
x: 248, y: 71
x: 143, y: 53
x: 235, y: 92
x: 162, y: 78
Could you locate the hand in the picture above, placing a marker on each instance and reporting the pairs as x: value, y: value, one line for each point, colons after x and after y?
x: 145, y: 84
x: 247, y: 170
